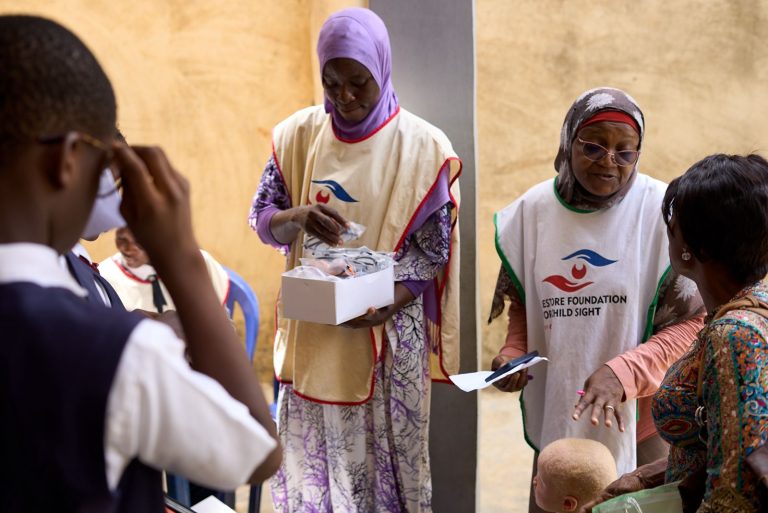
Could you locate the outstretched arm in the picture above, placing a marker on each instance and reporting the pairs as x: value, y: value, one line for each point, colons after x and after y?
x: 638, y: 372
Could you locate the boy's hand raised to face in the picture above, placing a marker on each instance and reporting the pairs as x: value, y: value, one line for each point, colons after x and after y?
x: 156, y: 207
x: 155, y: 203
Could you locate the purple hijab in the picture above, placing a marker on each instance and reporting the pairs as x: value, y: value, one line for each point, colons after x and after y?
x: 359, y: 34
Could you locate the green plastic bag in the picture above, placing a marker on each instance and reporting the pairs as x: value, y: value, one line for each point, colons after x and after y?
x: 662, y: 499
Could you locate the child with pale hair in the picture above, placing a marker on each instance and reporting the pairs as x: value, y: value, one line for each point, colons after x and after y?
x: 571, y: 472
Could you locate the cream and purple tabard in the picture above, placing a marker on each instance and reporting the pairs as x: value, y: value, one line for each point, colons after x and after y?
x: 381, y: 181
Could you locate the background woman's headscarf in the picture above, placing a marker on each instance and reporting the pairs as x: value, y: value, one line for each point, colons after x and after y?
x: 359, y: 34
x: 586, y: 106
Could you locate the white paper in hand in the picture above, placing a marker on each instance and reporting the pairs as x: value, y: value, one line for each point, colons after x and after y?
x: 476, y: 380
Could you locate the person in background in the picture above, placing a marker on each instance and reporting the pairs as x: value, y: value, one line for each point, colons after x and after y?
x: 712, y: 406
x: 586, y: 270
x: 135, y: 280
x: 95, y: 400
x: 105, y: 216
x: 353, y: 411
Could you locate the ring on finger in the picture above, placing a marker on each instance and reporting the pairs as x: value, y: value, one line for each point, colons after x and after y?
x: 609, y: 407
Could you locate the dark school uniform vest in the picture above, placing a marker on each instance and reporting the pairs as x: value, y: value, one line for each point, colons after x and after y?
x: 58, y: 358
x: 87, y: 276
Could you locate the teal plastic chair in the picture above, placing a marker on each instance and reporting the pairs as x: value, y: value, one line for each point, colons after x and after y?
x: 241, y: 294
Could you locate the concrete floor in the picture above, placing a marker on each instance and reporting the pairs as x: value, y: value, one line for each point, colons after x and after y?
x: 504, y: 462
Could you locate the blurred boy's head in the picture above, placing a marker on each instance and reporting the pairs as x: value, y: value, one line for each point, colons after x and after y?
x: 571, y: 472
x: 57, y: 119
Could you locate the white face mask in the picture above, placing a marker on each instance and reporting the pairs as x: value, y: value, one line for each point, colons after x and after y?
x: 106, y: 211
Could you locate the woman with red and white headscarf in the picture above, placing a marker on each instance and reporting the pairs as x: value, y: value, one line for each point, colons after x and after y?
x: 586, y: 270
x: 353, y: 407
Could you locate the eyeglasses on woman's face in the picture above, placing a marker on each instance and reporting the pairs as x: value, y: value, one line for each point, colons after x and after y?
x: 596, y: 152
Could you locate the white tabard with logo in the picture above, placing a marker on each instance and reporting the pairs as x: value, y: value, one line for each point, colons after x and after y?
x: 590, y: 283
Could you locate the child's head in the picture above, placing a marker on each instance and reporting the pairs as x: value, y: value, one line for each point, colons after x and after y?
x: 571, y: 472
x: 133, y: 254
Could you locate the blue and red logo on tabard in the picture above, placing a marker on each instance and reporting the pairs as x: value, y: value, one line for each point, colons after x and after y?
x: 584, y: 258
x: 335, y: 188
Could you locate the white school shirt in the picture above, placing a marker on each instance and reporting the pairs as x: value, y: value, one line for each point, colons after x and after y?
x: 159, y: 410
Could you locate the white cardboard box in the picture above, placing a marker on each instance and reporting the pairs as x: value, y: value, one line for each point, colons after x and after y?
x: 334, y: 302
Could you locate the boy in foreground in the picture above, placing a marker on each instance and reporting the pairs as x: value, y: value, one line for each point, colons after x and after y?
x: 94, y: 401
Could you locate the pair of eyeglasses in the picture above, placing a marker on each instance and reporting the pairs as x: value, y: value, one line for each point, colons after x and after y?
x: 595, y: 153
x: 108, y: 157
x: 104, y: 165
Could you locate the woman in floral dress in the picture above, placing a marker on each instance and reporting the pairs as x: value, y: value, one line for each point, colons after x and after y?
x: 718, y: 236
x: 353, y: 406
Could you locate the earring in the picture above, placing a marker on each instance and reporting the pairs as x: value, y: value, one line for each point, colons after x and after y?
x: 685, y: 256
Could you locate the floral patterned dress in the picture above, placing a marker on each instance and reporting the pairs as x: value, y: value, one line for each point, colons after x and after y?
x: 735, y: 395
x: 372, y: 457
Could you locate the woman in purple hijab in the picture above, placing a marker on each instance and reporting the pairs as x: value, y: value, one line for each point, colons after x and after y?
x: 360, y: 35
x: 353, y: 406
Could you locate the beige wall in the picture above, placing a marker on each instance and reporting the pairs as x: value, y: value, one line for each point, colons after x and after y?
x: 698, y: 70
x: 208, y: 80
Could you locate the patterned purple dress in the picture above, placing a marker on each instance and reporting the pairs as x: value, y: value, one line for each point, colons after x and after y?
x: 373, y: 457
